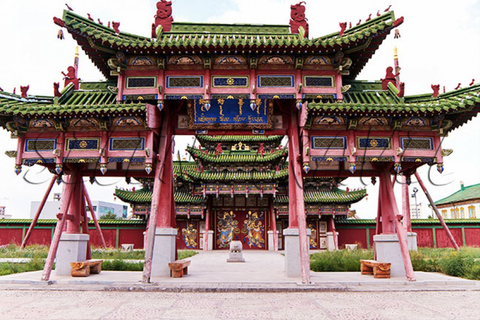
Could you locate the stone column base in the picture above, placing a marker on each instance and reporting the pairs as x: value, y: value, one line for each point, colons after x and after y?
x: 163, y: 251
x: 330, y: 242
x: 412, y: 241
x: 210, y: 240
x: 387, y: 248
x: 292, y: 252
x: 71, y: 248
x: 271, y: 240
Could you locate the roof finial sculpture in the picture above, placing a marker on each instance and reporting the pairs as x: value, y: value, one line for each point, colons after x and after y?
x: 297, y: 15
x: 163, y: 17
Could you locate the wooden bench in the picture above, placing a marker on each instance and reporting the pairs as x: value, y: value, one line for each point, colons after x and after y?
x: 178, y: 268
x: 378, y: 269
x: 85, y: 268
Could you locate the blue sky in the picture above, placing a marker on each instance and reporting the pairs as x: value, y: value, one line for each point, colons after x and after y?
x: 440, y: 44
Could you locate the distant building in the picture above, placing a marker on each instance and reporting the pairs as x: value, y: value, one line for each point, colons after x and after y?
x: 416, y: 211
x: 463, y: 204
x: 101, y: 208
x: 3, y: 215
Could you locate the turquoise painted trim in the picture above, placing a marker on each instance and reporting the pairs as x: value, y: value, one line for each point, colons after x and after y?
x: 117, y: 237
x: 463, y: 237
x: 23, y: 233
x: 434, y: 238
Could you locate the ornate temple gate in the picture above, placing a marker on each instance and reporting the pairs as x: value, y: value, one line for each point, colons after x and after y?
x: 231, y: 80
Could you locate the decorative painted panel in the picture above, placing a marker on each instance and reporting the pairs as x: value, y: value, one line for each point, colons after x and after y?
x: 185, y: 60
x: 328, y: 159
x: 374, y: 143
x: 276, y: 96
x: 141, y: 82
x: 312, y: 225
x: 185, y: 82
x: 329, y: 142
x: 141, y: 61
x: 275, y: 81
x: 41, y: 123
x: 83, y: 144
x: 227, y: 227
x: 417, y: 143
x: 31, y: 162
x: 230, y: 62
x: 127, y: 122
x: 328, y: 121
x: 254, y: 229
x: 230, y: 82
x: 33, y: 145
x: 318, y: 60
x: 310, y: 81
x: 117, y: 144
x: 281, y: 60
x: 84, y: 123
x: 230, y: 113
x: 190, y: 235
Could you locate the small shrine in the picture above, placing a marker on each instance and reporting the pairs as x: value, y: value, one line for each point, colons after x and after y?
x: 239, y: 89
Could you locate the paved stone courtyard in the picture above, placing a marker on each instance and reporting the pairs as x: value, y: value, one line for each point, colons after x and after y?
x: 39, y: 304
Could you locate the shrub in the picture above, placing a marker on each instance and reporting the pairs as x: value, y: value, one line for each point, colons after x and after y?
x: 341, y: 260
x: 120, y: 265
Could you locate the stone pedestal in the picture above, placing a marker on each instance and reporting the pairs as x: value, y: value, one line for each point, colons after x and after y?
x: 71, y: 248
x: 387, y: 248
x: 330, y: 242
x: 271, y: 240
x: 412, y: 241
x: 236, y: 252
x: 210, y: 240
x: 292, y: 252
x: 164, y: 251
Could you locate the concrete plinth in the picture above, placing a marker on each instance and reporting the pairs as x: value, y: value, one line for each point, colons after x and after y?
x: 412, y: 241
x: 292, y: 252
x: 210, y: 240
x: 164, y: 251
x: 387, y: 248
x: 71, y: 248
x: 330, y: 241
x: 271, y: 240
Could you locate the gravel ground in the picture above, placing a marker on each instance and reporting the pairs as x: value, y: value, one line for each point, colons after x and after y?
x: 38, y: 304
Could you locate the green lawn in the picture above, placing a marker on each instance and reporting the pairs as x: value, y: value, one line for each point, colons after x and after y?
x: 464, y: 263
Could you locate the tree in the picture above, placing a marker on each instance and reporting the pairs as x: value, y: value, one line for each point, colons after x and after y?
x: 108, y: 216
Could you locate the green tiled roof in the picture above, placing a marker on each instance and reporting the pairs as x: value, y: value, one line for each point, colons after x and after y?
x: 464, y: 194
x: 254, y: 138
x: 54, y: 221
x: 144, y: 195
x: 464, y: 103
x: 237, y: 156
x: 199, y: 38
x: 80, y: 102
x: 237, y: 176
x: 329, y: 196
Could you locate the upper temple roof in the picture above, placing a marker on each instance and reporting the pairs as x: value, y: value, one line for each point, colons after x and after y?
x: 101, y: 43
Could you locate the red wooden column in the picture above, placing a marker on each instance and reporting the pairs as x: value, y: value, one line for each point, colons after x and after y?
x: 207, y: 225
x: 439, y: 216
x: 388, y: 224
x: 297, y: 204
x: 331, y: 226
x: 37, y: 214
x: 75, y: 209
x: 62, y: 218
x: 160, y: 213
x: 407, y: 223
x: 274, y: 227
x: 389, y: 206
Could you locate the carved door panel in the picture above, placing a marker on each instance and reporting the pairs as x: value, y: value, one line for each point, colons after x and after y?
x: 247, y: 227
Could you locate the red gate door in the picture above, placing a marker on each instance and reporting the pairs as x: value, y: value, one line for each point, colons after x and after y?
x: 245, y: 226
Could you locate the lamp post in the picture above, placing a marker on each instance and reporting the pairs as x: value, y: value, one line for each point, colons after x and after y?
x: 414, y: 195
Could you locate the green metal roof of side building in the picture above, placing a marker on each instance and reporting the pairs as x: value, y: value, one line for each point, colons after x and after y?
x: 465, y: 193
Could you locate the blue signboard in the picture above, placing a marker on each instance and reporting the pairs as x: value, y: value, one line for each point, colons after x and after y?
x: 224, y: 113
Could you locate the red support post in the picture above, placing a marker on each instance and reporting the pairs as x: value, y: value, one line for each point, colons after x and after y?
x: 296, y: 181
x: 274, y: 228
x: 331, y: 222
x: 434, y: 207
x: 207, y: 227
x: 65, y: 204
x: 75, y: 208
x: 85, y: 221
x: 396, y: 217
x: 94, y: 216
x: 37, y: 214
x: 158, y: 187
x: 407, y: 223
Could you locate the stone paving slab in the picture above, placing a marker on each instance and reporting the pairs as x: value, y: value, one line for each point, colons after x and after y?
x: 262, y: 272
